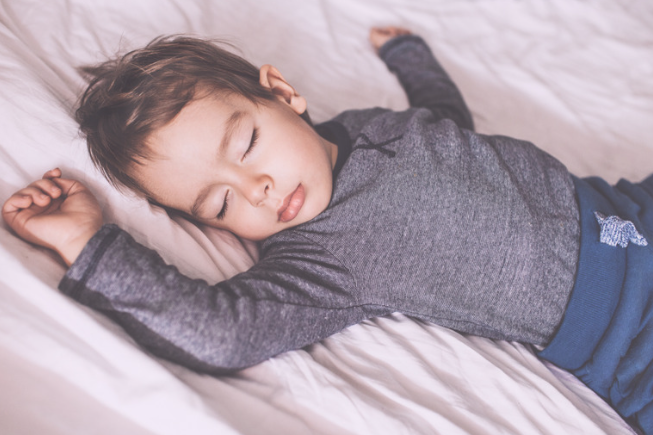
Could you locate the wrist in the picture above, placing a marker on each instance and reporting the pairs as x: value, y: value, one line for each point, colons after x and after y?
x: 70, y: 250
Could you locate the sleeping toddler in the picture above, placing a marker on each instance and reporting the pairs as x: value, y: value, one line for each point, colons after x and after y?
x: 370, y: 213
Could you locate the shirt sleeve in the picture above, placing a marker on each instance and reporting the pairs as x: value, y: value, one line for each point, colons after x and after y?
x: 285, y: 302
x: 425, y: 81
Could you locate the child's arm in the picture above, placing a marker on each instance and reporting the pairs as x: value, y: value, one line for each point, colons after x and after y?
x: 286, y: 301
x: 56, y: 213
x: 424, y: 80
x: 282, y: 303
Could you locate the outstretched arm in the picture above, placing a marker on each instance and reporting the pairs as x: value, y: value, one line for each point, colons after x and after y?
x: 283, y: 303
x: 425, y: 81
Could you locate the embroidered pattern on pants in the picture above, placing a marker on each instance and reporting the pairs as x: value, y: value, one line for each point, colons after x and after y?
x: 618, y: 232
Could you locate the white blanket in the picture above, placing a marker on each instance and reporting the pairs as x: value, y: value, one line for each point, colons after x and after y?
x: 572, y: 76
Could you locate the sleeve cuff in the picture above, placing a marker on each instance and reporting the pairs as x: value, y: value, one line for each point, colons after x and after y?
x: 397, y: 44
x: 83, y: 267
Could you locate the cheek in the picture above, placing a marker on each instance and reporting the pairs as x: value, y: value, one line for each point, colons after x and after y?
x: 252, y: 225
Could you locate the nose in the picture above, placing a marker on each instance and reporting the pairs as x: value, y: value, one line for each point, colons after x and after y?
x: 256, y: 189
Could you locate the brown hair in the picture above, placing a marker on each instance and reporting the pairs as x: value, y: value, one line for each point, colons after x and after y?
x: 129, y: 97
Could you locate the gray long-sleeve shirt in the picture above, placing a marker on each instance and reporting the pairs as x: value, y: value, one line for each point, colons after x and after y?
x: 476, y: 233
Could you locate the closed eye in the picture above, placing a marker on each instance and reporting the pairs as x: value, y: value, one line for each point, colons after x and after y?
x: 252, y: 143
x: 225, y: 205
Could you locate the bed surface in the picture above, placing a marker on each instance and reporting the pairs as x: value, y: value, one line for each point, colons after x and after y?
x: 572, y: 76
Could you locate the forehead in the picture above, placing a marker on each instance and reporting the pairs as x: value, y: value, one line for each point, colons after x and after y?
x: 185, y: 139
x: 202, y: 119
x: 213, y: 108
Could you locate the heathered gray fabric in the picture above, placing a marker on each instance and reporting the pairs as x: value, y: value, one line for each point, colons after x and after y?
x: 472, y: 232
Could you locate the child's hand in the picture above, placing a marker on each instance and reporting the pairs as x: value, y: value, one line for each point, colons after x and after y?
x: 381, y: 35
x: 54, y: 212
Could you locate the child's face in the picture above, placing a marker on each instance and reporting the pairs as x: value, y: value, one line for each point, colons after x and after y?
x: 251, y: 169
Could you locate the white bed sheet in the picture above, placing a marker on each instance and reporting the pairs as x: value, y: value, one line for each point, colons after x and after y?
x: 572, y: 76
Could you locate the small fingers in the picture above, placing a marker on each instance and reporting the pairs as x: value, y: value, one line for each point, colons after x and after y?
x: 40, y: 193
x: 390, y: 31
x: 61, y: 185
x: 380, y: 35
x: 34, y: 195
x: 35, y: 198
x: 18, y: 201
x: 48, y: 186
x: 53, y: 173
x: 396, y: 31
x: 67, y: 185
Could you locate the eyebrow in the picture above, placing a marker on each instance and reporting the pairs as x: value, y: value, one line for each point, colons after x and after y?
x: 230, y: 126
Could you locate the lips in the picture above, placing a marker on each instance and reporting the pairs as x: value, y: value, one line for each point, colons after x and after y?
x: 291, y: 205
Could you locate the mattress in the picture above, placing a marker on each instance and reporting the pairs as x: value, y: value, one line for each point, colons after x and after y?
x: 572, y: 76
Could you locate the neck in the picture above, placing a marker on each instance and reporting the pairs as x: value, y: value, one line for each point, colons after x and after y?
x: 332, y: 149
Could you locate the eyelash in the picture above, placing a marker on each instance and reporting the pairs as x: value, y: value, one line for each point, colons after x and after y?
x: 252, y: 144
x: 223, y: 212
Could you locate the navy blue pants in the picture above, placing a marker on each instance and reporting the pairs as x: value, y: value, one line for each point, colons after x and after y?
x: 606, y: 337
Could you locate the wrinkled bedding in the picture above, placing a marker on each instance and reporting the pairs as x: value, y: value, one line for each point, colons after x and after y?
x: 572, y: 76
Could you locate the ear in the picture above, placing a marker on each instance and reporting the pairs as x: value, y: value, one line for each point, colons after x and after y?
x: 271, y: 78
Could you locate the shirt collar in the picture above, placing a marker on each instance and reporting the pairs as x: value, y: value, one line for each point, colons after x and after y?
x: 337, y: 134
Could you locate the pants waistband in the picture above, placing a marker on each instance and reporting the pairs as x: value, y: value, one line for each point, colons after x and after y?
x: 600, y: 274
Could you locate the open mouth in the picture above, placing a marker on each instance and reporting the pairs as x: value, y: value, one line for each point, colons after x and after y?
x: 292, y: 205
